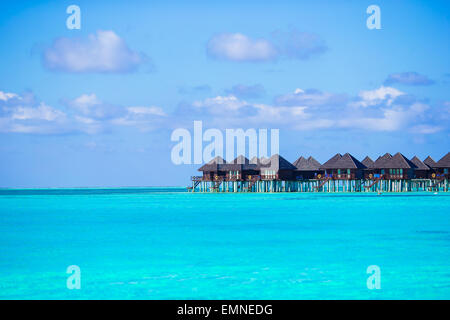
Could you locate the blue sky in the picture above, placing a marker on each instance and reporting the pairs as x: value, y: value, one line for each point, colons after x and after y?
x: 97, y: 106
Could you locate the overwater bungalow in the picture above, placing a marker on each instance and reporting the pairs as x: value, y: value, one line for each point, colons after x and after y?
x: 375, y: 173
x: 368, y: 162
x: 344, y: 167
x: 240, y: 169
x: 341, y: 173
x: 212, y: 170
x: 443, y: 166
x: 307, y: 168
x: 393, y: 167
x: 328, y: 165
x: 422, y: 171
x: 431, y: 164
x: 277, y: 168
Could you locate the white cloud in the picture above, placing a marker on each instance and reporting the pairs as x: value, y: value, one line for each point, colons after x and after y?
x: 308, y: 110
x: 381, y: 95
x: 42, y: 112
x: 95, y: 115
x: 220, y: 104
x: 143, y: 118
x: 88, y: 105
x: 84, y: 102
x: 302, y: 110
x: 291, y: 45
x: 147, y: 111
x: 102, y: 52
x: 5, y: 96
x: 239, y: 47
x: 230, y: 110
x: 310, y: 98
x: 25, y: 115
x: 86, y: 113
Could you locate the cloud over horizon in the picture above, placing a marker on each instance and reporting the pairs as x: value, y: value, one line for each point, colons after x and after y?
x: 25, y: 114
x: 102, y: 52
x: 86, y: 114
x: 383, y: 109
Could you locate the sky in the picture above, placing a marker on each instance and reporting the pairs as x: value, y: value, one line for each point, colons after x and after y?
x: 97, y: 106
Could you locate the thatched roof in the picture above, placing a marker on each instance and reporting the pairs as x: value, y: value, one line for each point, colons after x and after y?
x: 277, y: 162
x: 367, y: 162
x: 398, y: 161
x: 419, y: 164
x: 314, y: 162
x: 241, y: 163
x: 259, y: 161
x: 213, y: 164
x: 240, y: 160
x: 430, y: 162
x: 218, y: 160
x: 381, y: 161
x: 444, y: 162
x: 330, y: 163
x: 387, y: 155
x: 263, y: 160
x: 299, y: 161
x: 303, y: 164
x: 347, y: 161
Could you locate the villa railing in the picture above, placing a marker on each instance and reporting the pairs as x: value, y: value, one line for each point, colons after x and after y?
x: 343, y: 176
x: 388, y: 176
x: 233, y: 177
x: 269, y: 177
x: 351, y: 176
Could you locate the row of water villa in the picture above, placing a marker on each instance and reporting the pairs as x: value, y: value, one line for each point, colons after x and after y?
x: 341, y: 173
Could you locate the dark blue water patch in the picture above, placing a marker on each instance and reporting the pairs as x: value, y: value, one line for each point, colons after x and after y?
x: 87, y: 191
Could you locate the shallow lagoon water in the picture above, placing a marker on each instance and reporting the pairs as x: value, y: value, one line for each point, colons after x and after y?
x: 163, y: 243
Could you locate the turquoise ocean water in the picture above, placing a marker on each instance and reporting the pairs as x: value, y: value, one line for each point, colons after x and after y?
x: 162, y: 243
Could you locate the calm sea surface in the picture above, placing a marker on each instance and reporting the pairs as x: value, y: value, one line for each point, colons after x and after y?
x: 163, y: 243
